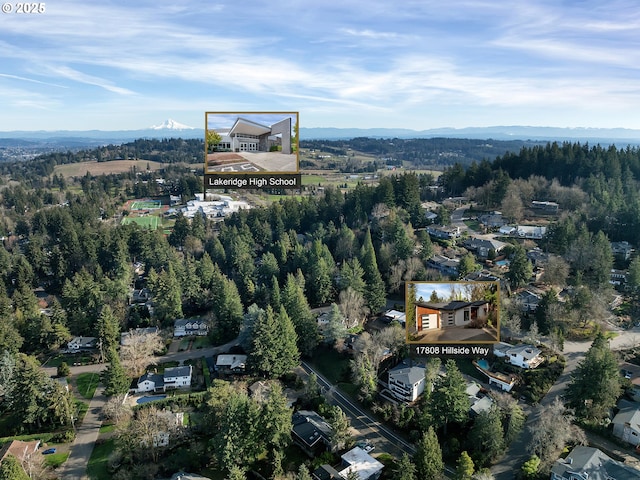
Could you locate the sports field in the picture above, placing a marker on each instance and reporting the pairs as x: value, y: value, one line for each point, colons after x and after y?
x: 151, y: 222
x: 145, y: 204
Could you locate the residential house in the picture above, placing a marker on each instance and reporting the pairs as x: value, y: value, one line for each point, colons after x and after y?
x: 531, y: 231
x: 618, y: 278
x: 190, y: 326
x: 483, y: 247
x: 430, y: 216
x: 632, y: 373
x: 538, y: 257
x: 502, y: 380
x: 231, y: 363
x: 443, y: 233
x: 172, y: 378
x: 523, y: 356
x: 431, y: 315
x: 326, y: 472
x: 478, y: 401
x: 621, y: 250
x: 78, y: 344
x: 508, y: 230
x: 360, y: 462
x: 588, y: 463
x: 310, y: 432
x: 142, y: 295
x: 547, y: 208
x: 527, y: 300
x: 482, y: 276
x: 125, y: 337
x: 626, y: 423
x: 406, y: 383
x: 22, y: 451
x: 492, y: 219
x: 391, y: 315
x: 444, y: 265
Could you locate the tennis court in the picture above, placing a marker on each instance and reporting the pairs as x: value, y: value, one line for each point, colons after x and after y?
x: 150, y: 222
x: 145, y: 204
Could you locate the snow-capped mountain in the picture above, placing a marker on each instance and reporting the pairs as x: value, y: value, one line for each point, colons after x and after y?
x: 171, y: 124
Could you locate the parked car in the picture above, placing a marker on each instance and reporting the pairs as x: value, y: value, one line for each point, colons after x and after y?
x: 49, y: 451
x: 366, y: 446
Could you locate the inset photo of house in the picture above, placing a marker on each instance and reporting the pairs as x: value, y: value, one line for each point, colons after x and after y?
x: 251, y: 142
x: 452, y: 312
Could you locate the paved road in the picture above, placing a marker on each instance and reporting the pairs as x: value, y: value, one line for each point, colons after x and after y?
x: 574, y: 352
x: 87, y: 433
x: 382, y: 437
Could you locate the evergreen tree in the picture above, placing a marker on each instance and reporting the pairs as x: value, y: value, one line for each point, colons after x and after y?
x: 449, y: 401
x: 114, y: 377
x: 487, y: 437
x: 303, y: 473
x: 464, y: 467
x: 596, y: 384
x: 375, y: 293
x: 297, y: 307
x: 108, y: 329
x: 10, y: 469
x: 405, y: 469
x: 428, y: 457
x: 274, y: 351
x: 275, y: 419
x: 520, y: 268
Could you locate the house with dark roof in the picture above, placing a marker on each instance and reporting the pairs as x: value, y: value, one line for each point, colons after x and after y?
x: 527, y: 300
x: 621, y: 250
x: 443, y: 233
x: 78, y: 344
x: 172, y: 378
x: 432, y: 315
x: 445, y: 265
x: 310, y: 432
x: 231, y: 363
x: 588, y: 463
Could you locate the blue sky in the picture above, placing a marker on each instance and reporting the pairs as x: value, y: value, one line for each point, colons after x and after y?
x: 350, y: 63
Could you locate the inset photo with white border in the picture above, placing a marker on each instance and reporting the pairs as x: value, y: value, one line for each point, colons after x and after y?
x: 452, y: 312
x: 251, y: 142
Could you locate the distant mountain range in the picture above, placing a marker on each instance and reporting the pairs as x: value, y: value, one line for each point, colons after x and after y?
x: 172, y: 129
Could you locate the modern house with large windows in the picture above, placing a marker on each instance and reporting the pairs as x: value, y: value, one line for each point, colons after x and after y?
x: 431, y: 316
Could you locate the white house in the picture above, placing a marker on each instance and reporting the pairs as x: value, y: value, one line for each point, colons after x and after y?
x: 177, y: 377
x: 523, y: 356
x: 190, y: 326
x: 406, y: 383
x: 173, y: 378
x: 358, y: 461
x: 82, y: 343
x: 626, y: 424
x: 584, y: 463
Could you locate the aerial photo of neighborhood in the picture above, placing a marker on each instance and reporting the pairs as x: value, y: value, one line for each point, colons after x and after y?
x: 319, y: 241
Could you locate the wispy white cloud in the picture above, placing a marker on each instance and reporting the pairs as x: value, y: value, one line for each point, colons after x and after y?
x: 32, y: 80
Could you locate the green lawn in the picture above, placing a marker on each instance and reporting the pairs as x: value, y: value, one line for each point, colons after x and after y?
x: 201, y: 342
x: 44, y: 437
x: 151, y: 222
x: 87, y: 384
x: 56, y: 459
x: 107, y: 428
x: 97, y: 466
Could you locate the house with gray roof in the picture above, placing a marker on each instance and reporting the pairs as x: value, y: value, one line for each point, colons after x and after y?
x: 406, y: 383
x: 626, y: 423
x: 483, y: 246
x: 310, y: 432
x: 588, y: 463
x: 523, y: 355
x: 172, y: 378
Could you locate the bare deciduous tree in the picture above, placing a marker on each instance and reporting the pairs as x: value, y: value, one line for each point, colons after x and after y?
x: 352, y: 305
x: 138, y: 352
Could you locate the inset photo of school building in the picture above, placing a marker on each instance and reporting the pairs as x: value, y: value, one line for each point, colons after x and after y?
x: 452, y: 312
x: 260, y: 142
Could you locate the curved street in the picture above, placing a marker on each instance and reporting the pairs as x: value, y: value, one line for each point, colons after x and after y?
x: 75, y: 468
